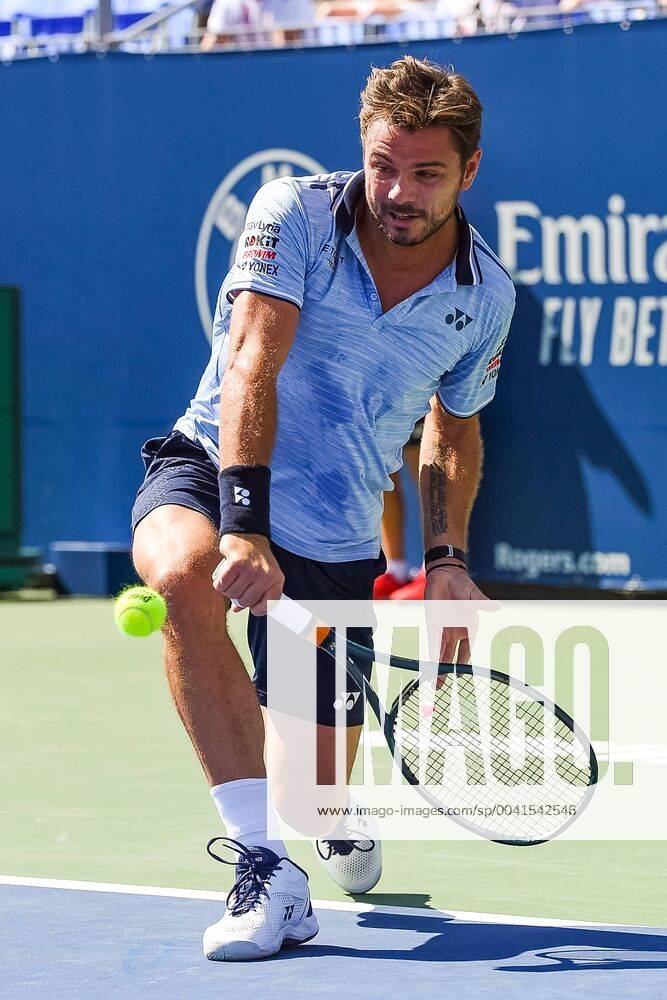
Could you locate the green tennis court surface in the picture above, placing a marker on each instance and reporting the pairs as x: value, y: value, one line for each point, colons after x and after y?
x: 100, y: 784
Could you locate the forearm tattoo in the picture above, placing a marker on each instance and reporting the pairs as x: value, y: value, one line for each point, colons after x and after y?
x: 437, y: 501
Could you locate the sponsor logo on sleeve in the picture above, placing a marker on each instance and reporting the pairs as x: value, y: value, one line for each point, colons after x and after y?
x: 259, y: 267
x: 493, y: 364
x: 261, y: 246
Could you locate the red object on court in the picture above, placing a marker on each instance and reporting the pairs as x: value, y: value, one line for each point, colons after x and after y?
x: 413, y: 591
x: 385, y: 586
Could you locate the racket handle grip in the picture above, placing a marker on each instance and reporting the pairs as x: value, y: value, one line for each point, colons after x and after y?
x: 293, y: 616
x: 298, y: 619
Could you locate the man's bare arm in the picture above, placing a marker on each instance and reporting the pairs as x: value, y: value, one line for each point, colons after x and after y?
x: 262, y: 331
x: 450, y: 471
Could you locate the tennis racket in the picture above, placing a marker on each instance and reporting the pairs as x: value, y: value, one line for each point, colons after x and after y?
x: 496, y: 756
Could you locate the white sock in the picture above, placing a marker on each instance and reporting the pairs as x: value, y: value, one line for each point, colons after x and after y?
x: 242, y: 806
x: 398, y: 568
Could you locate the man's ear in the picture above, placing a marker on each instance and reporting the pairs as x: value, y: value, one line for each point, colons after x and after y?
x: 470, y: 172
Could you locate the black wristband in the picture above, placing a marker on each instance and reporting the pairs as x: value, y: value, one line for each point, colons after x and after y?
x: 445, y: 552
x: 244, y: 500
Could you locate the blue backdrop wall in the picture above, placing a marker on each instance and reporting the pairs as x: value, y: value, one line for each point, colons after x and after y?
x: 124, y: 183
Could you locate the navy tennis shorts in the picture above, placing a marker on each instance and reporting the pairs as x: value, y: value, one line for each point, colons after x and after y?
x: 180, y: 471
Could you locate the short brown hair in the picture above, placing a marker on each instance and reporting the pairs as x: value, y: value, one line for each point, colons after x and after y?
x: 416, y: 93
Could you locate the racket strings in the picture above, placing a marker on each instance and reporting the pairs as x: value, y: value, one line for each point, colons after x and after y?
x: 484, y: 745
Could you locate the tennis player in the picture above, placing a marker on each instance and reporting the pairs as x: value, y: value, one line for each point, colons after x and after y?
x: 358, y: 303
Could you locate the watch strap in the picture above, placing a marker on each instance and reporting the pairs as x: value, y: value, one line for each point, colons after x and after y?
x: 445, y: 552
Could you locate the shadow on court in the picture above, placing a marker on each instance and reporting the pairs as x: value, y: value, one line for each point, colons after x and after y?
x: 420, y: 900
x: 88, y: 944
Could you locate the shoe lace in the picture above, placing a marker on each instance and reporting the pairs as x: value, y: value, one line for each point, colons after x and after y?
x: 343, y: 847
x: 254, y: 869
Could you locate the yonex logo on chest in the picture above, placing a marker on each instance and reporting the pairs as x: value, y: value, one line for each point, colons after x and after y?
x: 458, y: 319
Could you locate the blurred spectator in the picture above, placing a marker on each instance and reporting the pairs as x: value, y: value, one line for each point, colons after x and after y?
x: 460, y: 16
x: 396, y: 20
x: 38, y: 26
x: 376, y: 10
x: 261, y: 14
x: 403, y: 19
x: 339, y: 22
x: 613, y: 10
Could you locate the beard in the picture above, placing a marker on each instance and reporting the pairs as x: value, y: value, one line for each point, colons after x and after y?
x: 431, y: 222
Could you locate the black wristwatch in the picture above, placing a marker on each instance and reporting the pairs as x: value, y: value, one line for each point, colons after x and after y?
x: 445, y: 552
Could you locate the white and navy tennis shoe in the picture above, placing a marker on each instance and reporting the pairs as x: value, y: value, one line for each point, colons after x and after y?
x: 354, y: 864
x: 268, y: 907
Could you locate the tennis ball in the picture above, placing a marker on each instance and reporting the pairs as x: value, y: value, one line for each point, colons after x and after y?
x: 139, y: 611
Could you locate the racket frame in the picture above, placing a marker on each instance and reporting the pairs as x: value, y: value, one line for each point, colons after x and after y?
x: 387, y: 719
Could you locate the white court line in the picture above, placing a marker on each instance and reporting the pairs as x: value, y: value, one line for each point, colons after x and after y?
x: 321, y: 904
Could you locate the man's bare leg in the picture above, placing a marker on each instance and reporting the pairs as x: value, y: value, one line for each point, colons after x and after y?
x: 301, y: 787
x: 322, y: 806
x: 175, y: 551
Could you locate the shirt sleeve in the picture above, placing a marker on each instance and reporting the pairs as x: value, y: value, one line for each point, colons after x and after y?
x: 471, y: 383
x: 272, y: 251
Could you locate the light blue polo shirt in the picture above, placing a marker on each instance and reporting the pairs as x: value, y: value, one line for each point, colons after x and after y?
x: 356, y: 379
